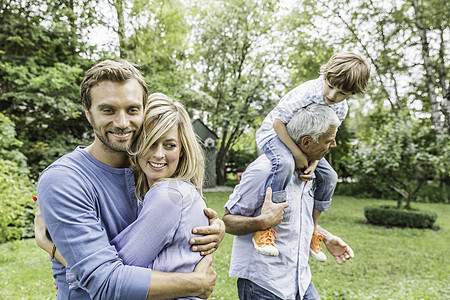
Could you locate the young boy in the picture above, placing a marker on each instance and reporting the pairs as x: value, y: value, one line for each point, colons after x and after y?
x: 345, y: 74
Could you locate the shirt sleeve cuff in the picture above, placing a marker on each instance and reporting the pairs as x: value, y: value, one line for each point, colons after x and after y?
x: 136, y: 283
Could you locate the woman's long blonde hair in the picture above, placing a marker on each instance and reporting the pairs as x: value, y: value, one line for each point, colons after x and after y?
x: 162, y: 114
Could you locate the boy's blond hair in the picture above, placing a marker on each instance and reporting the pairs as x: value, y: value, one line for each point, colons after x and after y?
x: 347, y: 72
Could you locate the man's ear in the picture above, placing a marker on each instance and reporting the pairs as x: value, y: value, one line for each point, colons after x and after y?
x: 305, y: 141
x: 88, y: 115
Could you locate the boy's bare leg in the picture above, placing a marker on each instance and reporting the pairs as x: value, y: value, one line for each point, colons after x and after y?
x: 316, y: 216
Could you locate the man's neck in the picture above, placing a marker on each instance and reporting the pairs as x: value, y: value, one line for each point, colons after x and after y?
x: 107, y: 156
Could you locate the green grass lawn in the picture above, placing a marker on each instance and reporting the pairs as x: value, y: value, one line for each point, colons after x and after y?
x: 390, y: 263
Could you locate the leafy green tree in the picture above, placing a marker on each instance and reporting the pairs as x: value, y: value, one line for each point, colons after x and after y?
x: 236, y: 68
x: 402, y: 155
x: 158, y: 43
x: 44, y: 104
x: 405, y: 43
x: 40, y: 71
x: 14, y: 184
x: 242, y: 153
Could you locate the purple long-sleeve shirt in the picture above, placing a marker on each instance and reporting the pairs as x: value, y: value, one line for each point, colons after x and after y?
x: 159, y: 238
x: 85, y: 204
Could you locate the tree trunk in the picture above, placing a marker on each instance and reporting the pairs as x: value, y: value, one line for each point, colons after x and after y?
x: 434, y: 105
x: 408, y: 202
x: 445, y: 105
x: 118, y: 4
x: 446, y: 109
x: 73, y: 26
x: 221, y: 169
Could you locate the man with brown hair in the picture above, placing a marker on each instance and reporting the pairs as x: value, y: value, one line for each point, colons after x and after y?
x: 87, y: 197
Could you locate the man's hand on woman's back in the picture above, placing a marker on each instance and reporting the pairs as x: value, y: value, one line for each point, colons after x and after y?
x: 213, y: 234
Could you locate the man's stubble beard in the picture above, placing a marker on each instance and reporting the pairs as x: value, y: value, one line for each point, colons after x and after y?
x: 112, y: 146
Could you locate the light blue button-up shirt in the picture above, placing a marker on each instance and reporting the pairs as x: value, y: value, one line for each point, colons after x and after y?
x: 299, y: 97
x: 288, y: 273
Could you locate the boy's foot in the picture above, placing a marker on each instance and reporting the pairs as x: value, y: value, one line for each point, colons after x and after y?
x: 315, y: 249
x: 264, y: 243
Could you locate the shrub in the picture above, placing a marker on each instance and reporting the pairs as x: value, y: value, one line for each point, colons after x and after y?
x: 402, y: 155
x: 16, y: 193
x: 16, y: 207
x: 393, y: 216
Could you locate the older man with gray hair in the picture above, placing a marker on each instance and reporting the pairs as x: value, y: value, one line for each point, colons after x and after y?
x: 286, y: 276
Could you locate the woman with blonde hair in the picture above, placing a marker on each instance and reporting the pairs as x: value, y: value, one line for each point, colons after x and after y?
x: 169, y: 168
x: 169, y: 171
x: 161, y: 115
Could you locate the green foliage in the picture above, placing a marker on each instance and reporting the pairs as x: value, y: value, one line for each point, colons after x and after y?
x: 304, y: 53
x: 16, y: 193
x: 338, y: 156
x: 434, y: 193
x: 242, y: 154
x: 9, y: 145
x: 389, y: 263
x: 44, y: 104
x: 15, y: 196
x: 159, y: 44
x: 40, y: 72
x: 394, y: 216
x: 238, y: 78
x: 401, y: 155
x: 45, y: 32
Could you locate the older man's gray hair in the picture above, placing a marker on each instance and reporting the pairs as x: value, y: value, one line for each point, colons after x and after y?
x: 313, y: 120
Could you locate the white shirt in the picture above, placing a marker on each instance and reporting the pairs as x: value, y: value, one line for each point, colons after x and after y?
x: 301, y: 96
x: 289, y: 272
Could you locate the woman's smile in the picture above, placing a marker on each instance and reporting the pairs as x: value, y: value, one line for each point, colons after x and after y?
x: 161, y: 160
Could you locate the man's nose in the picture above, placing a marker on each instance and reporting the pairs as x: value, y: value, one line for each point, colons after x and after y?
x: 333, y: 144
x: 121, y: 120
